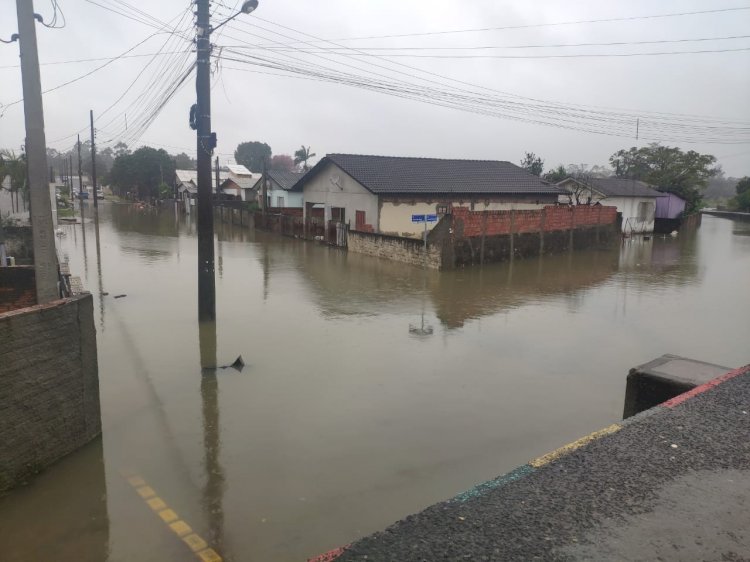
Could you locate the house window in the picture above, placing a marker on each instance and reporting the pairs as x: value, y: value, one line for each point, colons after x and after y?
x: 280, y: 202
x: 645, y: 211
x: 441, y: 209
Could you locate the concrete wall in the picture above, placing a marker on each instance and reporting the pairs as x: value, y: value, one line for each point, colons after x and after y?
x: 49, y: 386
x: 396, y: 248
x: 395, y: 213
x: 346, y: 192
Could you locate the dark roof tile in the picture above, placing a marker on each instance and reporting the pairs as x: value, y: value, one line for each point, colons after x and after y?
x: 404, y: 175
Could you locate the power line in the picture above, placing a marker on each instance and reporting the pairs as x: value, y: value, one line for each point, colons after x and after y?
x: 334, y: 50
x: 98, y: 59
x: 87, y: 74
x: 571, y: 56
x: 527, y: 26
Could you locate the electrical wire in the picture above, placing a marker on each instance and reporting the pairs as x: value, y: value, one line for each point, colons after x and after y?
x: 548, y: 108
x: 553, y: 24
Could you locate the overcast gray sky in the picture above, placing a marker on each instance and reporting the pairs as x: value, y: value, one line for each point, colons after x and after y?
x: 287, y: 111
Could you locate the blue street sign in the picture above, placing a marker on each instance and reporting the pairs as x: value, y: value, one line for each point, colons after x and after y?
x: 417, y: 218
x: 431, y: 218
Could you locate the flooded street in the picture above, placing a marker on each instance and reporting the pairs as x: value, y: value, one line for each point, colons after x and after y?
x: 371, y: 389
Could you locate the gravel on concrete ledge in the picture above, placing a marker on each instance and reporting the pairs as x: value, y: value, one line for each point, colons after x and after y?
x: 659, y: 486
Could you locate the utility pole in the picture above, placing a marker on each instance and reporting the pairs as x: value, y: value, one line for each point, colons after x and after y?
x: 45, y: 255
x: 205, y: 146
x: 264, y: 188
x: 93, y: 162
x: 80, y: 175
x: 217, y: 176
x: 70, y: 177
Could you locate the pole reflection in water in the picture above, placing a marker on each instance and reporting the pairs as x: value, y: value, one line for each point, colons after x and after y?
x: 422, y: 330
x: 213, y: 491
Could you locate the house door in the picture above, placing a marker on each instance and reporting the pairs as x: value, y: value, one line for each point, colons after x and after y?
x: 359, y: 219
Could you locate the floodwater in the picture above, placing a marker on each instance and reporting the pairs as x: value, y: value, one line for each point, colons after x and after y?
x: 371, y: 389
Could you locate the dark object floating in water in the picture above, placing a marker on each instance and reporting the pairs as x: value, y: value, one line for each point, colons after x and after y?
x: 105, y: 294
x: 120, y: 296
x: 237, y: 365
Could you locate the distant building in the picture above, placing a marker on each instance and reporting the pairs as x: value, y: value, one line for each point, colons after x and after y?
x: 280, y: 189
x: 238, y: 183
x: 635, y: 200
x: 381, y: 193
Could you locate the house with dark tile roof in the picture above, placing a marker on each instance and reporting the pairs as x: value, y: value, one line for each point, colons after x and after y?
x: 381, y: 193
x: 635, y: 200
x: 280, y: 189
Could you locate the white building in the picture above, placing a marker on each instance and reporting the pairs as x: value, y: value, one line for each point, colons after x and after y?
x: 280, y: 189
x: 381, y: 193
x: 635, y: 200
x: 239, y: 183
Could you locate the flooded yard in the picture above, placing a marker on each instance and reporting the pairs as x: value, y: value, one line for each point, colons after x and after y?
x: 371, y: 389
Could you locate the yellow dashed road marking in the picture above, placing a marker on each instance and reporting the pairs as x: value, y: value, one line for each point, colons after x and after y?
x: 209, y: 555
x: 145, y: 492
x: 195, y: 542
x: 179, y: 527
x: 157, y: 504
x: 168, y: 515
x: 570, y: 447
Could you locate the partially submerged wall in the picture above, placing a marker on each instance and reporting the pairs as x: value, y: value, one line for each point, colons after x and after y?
x: 49, y: 386
x: 493, y: 236
x: 396, y: 248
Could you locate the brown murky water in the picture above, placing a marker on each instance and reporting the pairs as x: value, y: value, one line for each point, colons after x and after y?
x: 371, y: 389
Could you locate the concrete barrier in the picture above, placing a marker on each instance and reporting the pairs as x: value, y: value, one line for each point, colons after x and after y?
x: 49, y: 386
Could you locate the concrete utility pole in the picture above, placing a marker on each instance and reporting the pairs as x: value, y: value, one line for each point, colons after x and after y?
x: 45, y: 256
x: 206, y: 143
x: 80, y: 176
x: 93, y: 161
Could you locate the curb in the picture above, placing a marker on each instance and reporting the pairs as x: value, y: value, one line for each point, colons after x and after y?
x: 536, y: 464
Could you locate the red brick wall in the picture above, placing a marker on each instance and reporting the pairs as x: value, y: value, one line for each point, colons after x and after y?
x: 553, y: 217
x: 17, y: 288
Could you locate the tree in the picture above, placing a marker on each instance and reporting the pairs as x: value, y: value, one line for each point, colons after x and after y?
x: 13, y: 166
x: 668, y: 168
x: 556, y: 175
x: 301, y: 156
x: 184, y: 162
x: 742, y: 200
x: 252, y: 155
x: 121, y: 149
x: 142, y: 172
x: 282, y: 163
x: 533, y: 164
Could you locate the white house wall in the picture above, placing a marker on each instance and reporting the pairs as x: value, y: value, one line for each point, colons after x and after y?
x: 291, y: 198
x: 628, y: 206
x: 346, y: 193
x: 395, y: 217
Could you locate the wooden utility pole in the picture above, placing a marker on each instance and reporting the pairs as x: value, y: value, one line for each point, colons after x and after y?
x: 93, y: 161
x: 218, y: 181
x: 205, y: 146
x: 45, y: 256
x: 264, y: 188
x: 80, y: 175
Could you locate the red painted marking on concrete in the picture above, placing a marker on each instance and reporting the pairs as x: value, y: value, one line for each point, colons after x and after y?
x: 329, y: 556
x: 704, y: 387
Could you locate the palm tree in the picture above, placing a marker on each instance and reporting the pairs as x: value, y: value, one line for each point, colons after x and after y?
x: 301, y: 156
x: 14, y: 166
